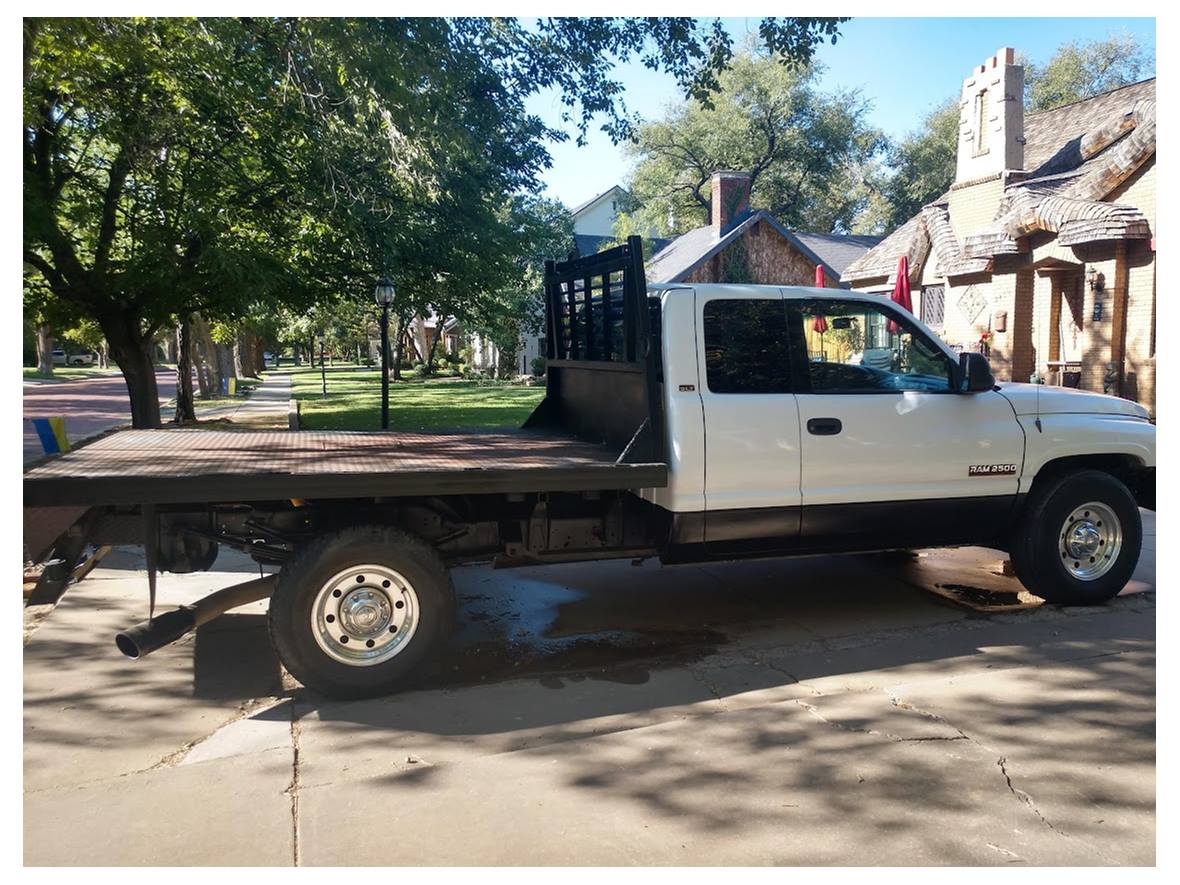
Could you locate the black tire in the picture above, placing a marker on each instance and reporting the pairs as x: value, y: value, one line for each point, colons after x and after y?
x: 311, y: 570
x: 1036, y: 548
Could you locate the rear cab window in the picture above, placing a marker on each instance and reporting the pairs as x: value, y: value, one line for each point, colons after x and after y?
x: 747, y: 348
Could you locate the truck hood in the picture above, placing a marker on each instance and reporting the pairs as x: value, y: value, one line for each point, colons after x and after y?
x: 1029, y: 399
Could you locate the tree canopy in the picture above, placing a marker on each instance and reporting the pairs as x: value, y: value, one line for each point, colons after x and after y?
x: 809, y: 153
x: 1080, y: 70
x: 227, y: 165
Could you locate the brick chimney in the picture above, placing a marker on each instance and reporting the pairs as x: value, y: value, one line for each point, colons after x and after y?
x: 991, y: 118
x: 730, y: 202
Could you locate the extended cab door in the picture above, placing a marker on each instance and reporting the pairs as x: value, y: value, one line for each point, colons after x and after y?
x: 751, y: 420
x: 891, y: 453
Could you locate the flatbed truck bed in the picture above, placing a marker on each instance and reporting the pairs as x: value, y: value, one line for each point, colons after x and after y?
x: 179, y: 466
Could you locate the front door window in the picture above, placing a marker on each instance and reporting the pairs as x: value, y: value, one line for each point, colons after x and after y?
x: 860, y: 347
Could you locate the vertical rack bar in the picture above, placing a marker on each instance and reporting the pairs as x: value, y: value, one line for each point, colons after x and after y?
x: 573, y: 307
x: 607, y: 343
x: 588, y: 317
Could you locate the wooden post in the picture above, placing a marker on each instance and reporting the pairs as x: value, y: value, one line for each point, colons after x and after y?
x: 1118, y: 316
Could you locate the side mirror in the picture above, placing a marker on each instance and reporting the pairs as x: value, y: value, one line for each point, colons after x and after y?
x: 975, y: 374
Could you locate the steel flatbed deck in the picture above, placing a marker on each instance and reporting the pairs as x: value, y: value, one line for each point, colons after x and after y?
x: 179, y: 466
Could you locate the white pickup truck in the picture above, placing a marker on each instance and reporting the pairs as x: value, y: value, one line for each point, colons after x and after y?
x: 689, y: 422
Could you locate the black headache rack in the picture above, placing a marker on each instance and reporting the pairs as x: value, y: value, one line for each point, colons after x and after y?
x: 602, y: 371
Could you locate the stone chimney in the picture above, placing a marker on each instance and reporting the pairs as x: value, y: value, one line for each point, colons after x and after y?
x: 991, y: 118
x: 730, y: 201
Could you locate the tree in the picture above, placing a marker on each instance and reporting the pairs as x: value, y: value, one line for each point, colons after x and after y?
x: 923, y: 164
x: 517, y: 308
x: 174, y: 166
x: 806, y: 151
x: 1080, y: 70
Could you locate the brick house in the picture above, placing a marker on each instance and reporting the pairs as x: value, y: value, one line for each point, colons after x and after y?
x: 1042, y: 253
x: 740, y: 246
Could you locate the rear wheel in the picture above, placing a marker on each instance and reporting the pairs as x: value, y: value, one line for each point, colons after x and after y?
x: 1078, y: 540
x: 361, y: 612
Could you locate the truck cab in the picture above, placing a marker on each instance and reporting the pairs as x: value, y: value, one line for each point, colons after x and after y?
x: 810, y: 420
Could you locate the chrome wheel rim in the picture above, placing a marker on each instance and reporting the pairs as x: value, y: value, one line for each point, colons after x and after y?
x: 364, y: 615
x: 1090, y: 541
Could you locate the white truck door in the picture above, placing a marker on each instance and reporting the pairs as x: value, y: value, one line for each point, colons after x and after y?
x: 750, y: 415
x: 887, y: 445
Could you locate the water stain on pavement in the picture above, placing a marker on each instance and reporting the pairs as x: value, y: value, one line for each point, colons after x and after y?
x: 511, y: 626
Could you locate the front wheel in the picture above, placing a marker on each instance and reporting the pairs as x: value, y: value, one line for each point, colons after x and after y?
x: 1079, y: 539
x: 360, y: 612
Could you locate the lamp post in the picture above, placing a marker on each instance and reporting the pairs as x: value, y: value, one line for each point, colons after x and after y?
x: 323, y: 373
x: 384, y: 294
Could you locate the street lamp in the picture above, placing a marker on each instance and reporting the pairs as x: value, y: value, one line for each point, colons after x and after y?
x: 323, y: 373
x: 383, y: 295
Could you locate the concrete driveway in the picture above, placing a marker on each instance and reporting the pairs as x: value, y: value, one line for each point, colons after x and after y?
x: 813, y: 711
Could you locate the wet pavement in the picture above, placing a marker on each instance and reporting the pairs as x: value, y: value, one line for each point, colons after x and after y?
x: 822, y: 710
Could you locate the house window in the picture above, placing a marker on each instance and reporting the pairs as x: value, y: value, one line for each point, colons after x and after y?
x: 934, y: 307
x: 981, y: 123
x: 746, y: 349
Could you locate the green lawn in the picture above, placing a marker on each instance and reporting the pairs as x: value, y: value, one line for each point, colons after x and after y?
x: 354, y: 402
x: 69, y: 373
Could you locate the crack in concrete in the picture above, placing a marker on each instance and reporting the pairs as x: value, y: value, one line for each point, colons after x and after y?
x: 752, y: 656
x: 927, y: 714
x: 244, y: 710
x: 814, y: 711
x: 293, y: 790
x: 1024, y: 797
x: 712, y: 689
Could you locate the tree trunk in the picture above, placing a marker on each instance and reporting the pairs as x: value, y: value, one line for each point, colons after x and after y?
x: 208, y: 379
x: 236, y: 349
x: 225, y: 363
x: 170, y: 352
x: 184, y: 375
x: 44, y: 350
x: 103, y: 355
x: 133, y: 352
x: 399, y: 337
x: 421, y: 338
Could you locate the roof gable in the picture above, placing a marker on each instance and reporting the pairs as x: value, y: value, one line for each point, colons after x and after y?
x: 582, y: 207
x: 689, y: 251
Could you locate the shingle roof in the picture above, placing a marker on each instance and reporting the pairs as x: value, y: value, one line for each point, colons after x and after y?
x: 1077, y: 154
x: 684, y: 254
x: 838, y: 250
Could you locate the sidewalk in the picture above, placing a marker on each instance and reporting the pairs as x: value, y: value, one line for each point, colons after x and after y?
x: 265, y: 407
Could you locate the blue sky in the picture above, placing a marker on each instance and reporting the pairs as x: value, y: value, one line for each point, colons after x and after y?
x: 904, y: 65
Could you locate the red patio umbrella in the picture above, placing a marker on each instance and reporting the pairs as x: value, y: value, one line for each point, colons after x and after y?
x: 820, y: 282
x: 820, y: 325
x: 901, y: 290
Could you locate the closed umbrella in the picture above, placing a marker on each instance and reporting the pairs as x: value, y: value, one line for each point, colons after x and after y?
x: 820, y: 282
x: 901, y: 291
x: 820, y: 325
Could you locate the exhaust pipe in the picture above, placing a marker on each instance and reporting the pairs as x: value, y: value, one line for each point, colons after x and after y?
x: 150, y: 635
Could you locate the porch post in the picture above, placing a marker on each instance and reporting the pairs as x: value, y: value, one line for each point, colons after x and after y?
x: 1118, y: 317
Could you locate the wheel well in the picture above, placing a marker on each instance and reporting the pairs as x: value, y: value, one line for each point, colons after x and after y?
x: 1137, y: 477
